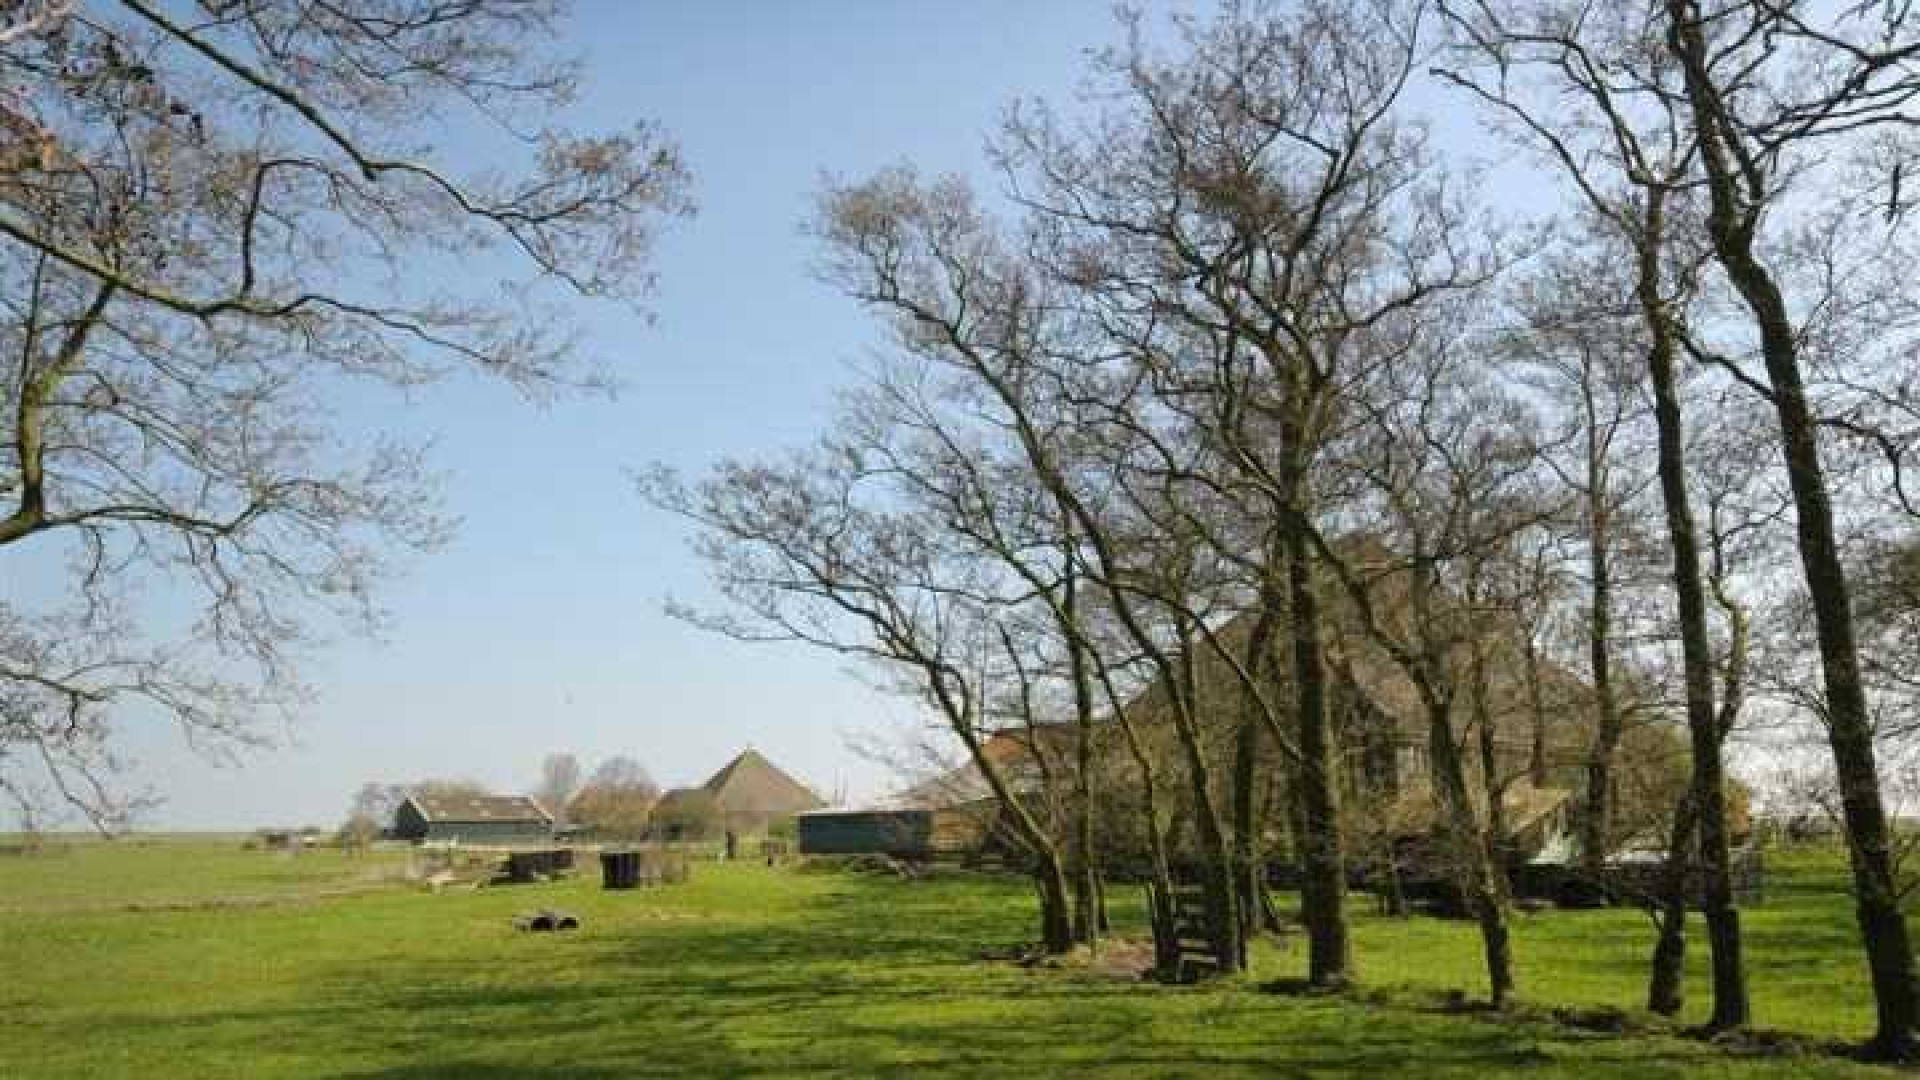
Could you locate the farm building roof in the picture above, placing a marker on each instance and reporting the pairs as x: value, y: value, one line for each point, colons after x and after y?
x: 466, y: 809
x: 753, y: 785
x: 1014, y: 751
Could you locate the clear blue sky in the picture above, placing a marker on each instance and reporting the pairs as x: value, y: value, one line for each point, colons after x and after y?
x: 541, y: 627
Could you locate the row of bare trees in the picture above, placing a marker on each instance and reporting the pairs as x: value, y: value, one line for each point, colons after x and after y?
x: 1236, y: 386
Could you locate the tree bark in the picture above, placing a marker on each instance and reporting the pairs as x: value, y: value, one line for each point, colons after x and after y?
x: 1086, y: 912
x: 1730, y: 1004
x: 1472, y: 854
x: 1247, y: 856
x: 1537, y: 713
x: 1666, y: 978
x: 1323, y: 877
x: 1883, y: 927
x: 1216, y: 850
x: 1490, y: 785
x: 1056, y: 918
x: 1596, y: 824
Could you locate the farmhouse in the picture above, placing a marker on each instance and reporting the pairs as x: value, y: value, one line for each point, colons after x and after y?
x: 746, y: 797
x: 1539, y: 716
x: 496, y: 820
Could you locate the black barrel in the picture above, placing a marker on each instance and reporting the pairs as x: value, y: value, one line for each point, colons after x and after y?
x: 620, y: 869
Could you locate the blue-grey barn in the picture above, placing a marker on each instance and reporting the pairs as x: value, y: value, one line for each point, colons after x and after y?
x: 481, y: 820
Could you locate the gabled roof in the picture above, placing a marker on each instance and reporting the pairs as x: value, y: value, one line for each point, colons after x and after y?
x: 1012, y: 750
x: 680, y: 799
x: 750, y: 784
x: 476, y: 809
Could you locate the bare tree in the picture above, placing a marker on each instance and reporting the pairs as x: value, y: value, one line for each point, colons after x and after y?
x: 1450, y: 466
x: 1245, y: 217
x: 1759, y: 116
x: 559, y: 782
x: 1627, y: 154
x: 616, y: 799
x: 1578, y: 337
x: 208, y: 221
x: 821, y: 549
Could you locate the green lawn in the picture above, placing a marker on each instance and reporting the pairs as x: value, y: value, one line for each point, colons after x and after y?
x: 1806, y: 973
x: 179, y: 870
x: 754, y: 971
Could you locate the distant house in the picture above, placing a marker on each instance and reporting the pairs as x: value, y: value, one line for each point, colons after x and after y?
x: 482, y: 820
x: 746, y: 797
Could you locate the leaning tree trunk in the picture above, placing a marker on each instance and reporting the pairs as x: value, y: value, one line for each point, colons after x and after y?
x: 1050, y: 877
x: 1216, y: 853
x: 1472, y: 854
x: 1883, y: 927
x: 1666, y: 979
x: 1251, y: 865
x: 1210, y: 828
x: 1730, y: 1004
x: 1166, y: 952
x: 1665, y: 986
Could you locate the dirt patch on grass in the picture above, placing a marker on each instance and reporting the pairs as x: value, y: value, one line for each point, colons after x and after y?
x: 1115, y: 958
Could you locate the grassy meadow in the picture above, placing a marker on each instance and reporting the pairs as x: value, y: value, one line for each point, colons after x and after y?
x: 130, y: 960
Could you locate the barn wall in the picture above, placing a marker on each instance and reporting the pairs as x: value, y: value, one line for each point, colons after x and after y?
x: 409, y: 823
x: 867, y: 832
x: 913, y: 833
x: 488, y: 833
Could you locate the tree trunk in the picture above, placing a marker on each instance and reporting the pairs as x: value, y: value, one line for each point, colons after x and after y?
x: 1056, y: 918
x: 1166, y: 957
x: 1393, y: 897
x: 1730, y: 1005
x: 1216, y: 849
x: 1537, y: 713
x: 1247, y: 857
x: 1596, y: 823
x: 1086, y: 883
x: 1883, y: 927
x: 1490, y: 785
x: 1217, y: 865
x: 1323, y: 873
x: 1472, y: 854
x: 1087, y: 915
x: 1666, y: 980
x: 1056, y: 915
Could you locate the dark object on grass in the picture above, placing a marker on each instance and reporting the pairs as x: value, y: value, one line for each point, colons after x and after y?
x: 632, y: 869
x: 529, y: 866
x: 1192, y: 944
x: 619, y: 869
x: 547, y: 919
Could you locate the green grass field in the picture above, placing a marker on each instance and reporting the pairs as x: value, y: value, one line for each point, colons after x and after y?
x: 749, y: 971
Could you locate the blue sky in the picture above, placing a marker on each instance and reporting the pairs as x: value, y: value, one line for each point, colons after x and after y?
x: 540, y: 628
